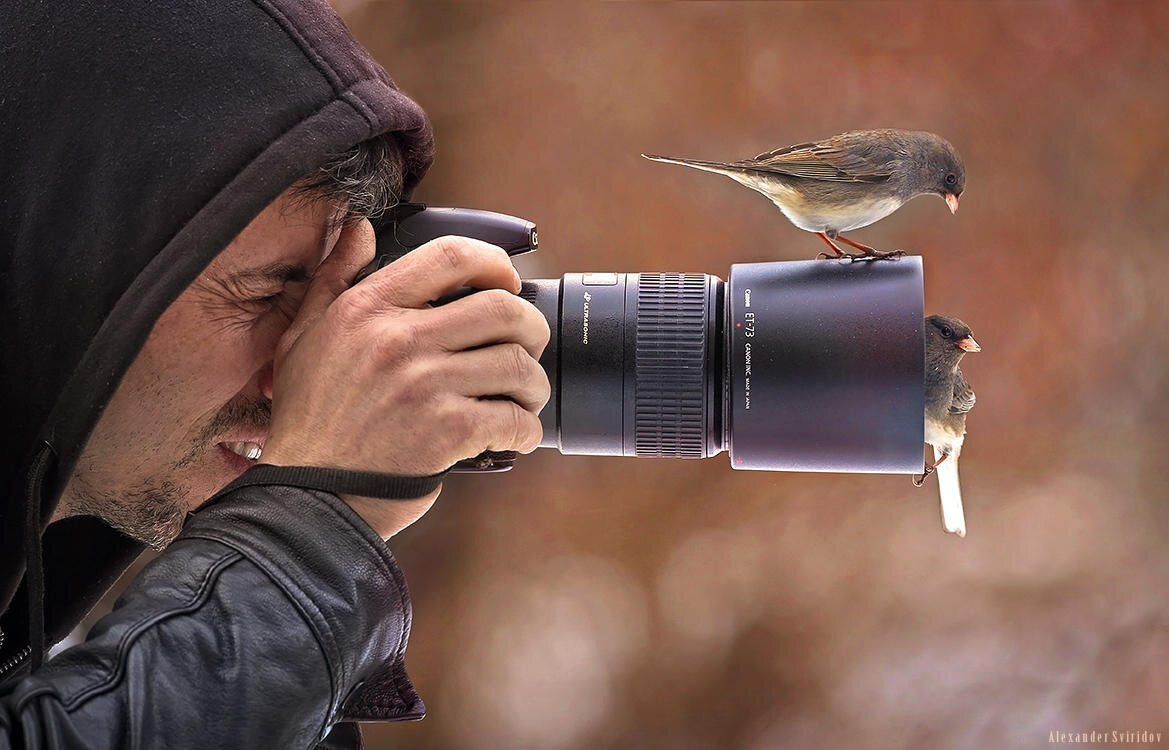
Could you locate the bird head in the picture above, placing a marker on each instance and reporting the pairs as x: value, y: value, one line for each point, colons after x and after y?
x: 943, y: 172
x: 948, y: 339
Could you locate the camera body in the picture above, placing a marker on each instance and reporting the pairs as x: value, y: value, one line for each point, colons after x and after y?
x: 789, y: 365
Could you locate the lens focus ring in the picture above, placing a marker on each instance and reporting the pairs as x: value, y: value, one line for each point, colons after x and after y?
x: 670, y: 387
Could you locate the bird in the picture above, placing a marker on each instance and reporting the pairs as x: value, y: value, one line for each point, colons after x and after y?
x: 847, y: 181
x: 948, y: 399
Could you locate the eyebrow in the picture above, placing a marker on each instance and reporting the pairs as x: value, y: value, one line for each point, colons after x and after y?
x: 270, y: 274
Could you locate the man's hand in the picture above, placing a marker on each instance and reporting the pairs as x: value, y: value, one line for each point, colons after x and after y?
x: 371, y: 378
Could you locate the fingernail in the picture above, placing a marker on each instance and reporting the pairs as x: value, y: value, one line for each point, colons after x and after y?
x: 519, y: 283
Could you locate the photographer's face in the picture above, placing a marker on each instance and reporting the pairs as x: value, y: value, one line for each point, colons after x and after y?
x: 199, y: 393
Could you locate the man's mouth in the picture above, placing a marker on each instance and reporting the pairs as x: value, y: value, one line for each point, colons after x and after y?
x: 248, y: 450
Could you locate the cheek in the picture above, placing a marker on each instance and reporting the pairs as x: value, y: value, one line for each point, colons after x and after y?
x: 188, y: 369
x: 196, y: 378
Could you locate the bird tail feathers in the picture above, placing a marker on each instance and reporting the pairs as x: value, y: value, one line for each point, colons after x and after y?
x: 717, y: 167
x: 953, y: 518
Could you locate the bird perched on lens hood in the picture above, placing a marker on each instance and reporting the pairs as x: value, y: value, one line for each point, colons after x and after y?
x: 848, y: 181
x: 948, y: 399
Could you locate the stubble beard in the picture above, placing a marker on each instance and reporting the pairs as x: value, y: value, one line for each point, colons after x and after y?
x: 153, y: 510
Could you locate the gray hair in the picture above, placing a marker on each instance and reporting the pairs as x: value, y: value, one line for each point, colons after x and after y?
x: 362, y: 182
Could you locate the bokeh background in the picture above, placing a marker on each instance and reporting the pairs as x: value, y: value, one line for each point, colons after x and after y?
x: 608, y: 602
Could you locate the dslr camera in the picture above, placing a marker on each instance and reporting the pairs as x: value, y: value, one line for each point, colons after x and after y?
x: 790, y: 365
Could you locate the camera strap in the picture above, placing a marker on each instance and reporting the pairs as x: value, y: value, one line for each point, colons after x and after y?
x: 340, y: 481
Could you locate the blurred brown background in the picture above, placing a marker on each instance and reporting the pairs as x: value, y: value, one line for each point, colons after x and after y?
x: 580, y: 602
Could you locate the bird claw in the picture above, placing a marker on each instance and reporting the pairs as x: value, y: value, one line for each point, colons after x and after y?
x: 920, y: 481
x: 874, y: 255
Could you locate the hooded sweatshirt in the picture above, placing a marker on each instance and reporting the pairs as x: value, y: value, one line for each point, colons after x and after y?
x: 138, y: 139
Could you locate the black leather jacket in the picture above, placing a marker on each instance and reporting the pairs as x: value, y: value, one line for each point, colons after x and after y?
x: 275, y: 617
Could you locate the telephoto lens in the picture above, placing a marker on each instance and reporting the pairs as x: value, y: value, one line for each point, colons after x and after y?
x: 789, y: 365
x: 800, y: 365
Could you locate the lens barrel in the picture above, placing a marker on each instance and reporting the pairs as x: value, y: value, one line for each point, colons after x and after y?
x: 802, y: 365
x: 635, y: 363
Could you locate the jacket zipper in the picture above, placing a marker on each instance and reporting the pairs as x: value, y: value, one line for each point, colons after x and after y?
x: 16, y: 660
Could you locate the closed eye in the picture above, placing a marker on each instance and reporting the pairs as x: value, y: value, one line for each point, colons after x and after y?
x: 261, y: 304
x: 278, y: 279
x: 287, y: 299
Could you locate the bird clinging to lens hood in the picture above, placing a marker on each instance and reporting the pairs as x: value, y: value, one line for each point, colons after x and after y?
x: 948, y: 399
x: 848, y: 181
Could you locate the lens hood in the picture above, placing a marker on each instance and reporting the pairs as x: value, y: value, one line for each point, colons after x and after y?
x: 827, y: 361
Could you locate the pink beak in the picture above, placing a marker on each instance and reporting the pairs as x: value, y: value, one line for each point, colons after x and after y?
x: 967, y: 343
x: 952, y: 202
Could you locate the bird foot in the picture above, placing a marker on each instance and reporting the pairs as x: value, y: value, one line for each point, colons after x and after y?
x: 920, y: 481
x: 885, y: 254
x: 874, y: 255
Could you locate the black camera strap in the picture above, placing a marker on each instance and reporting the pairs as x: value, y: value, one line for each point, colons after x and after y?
x: 340, y: 481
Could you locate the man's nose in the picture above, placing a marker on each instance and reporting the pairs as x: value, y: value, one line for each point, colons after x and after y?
x: 266, y: 377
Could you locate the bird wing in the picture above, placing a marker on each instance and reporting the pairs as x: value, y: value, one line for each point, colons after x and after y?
x: 849, y: 157
x: 963, y: 395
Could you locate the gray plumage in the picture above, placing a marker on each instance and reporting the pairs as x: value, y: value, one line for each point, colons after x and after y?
x: 847, y: 181
x: 948, y: 399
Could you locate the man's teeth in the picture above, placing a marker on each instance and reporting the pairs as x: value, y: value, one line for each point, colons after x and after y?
x: 247, y: 450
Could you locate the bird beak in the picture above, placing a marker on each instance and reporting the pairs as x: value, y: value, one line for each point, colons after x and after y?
x: 967, y: 343
x: 952, y: 202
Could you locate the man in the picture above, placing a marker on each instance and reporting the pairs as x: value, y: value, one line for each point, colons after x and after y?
x: 181, y: 219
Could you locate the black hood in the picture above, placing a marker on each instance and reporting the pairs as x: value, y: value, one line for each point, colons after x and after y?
x: 138, y: 139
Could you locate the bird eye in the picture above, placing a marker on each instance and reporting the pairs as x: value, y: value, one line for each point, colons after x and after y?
x: 947, y: 332
x: 951, y: 178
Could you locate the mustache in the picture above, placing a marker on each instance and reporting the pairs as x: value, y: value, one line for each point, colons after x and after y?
x: 251, y: 413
